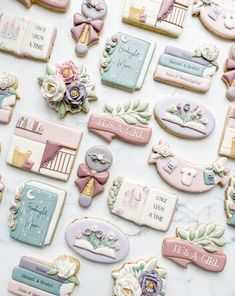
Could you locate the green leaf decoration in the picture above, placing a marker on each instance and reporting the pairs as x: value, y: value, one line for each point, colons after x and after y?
x: 62, y: 109
x: 129, y: 119
x: 182, y: 233
x: 219, y: 232
x: 210, y: 228
x: 119, y: 108
x: 127, y: 106
x: 91, y: 93
x: 145, y: 115
x: 151, y: 264
x: 50, y: 70
x: 135, y: 104
x: 108, y: 109
x: 205, y: 242
x: 192, y: 234
x: 210, y: 249
x: 219, y: 242
x: 41, y: 79
x: 216, y: 64
x: 142, y: 107
x: 85, y: 106
x: 201, y: 230
x: 74, y: 279
x: 197, y: 53
x: 12, y: 91
x: 140, y: 119
x: 53, y: 271
x: 162, y: 272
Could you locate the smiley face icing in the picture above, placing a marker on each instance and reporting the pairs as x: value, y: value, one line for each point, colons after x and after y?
x: 229, y: 74
x: 57, y: 5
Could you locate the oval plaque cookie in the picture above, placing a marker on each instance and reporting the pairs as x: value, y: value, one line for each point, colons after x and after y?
x: 184, y: 118
x: 97, y: 240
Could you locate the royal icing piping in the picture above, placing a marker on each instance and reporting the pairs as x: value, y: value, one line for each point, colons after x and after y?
x: 229, y: 75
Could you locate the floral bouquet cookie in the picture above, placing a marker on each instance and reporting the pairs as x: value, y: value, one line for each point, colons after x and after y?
x: 67, y: 88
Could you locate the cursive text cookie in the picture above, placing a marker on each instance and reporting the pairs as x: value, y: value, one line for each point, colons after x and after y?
x: 35, y: 212
x: 143, y: 277
x: 97, y: 240
x: 125, y: 61
x: 26, y: 37
x: 229, y: 74
x: 44, y: 147
x: 141, y: 204
x: 193, y: 71
x: 185, y: 118
x: 200, y: 244
x: 57, y: 5
x: 38, y: 277
x: 162, y: 16
x: 229, y: 202
x: 88, y: 25
x: 217, y: 18
x: 129, y: 122
x: 67, y: 88
x: 186, y: 176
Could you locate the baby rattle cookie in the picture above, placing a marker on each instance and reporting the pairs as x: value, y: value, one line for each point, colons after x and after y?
x: 142, y: 277
x: 88, y: 25
x: 229, y: 202
x: 93, y: 174
x: 200, y: 244
x: 229, y: 75
x: 57, y: 5
x: 44, y: 278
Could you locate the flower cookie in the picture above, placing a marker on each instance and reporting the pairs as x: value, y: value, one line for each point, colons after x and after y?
x: 93, y: 174
x: 58, y: 5
x: 140, y: 278
x: 88, y: 25
x: 35, y: 212
x: 229, y: 75
x: 42, y: 278
x: 164, y: 16
x: 125, y: 61
x: 229, y: 202
x: 217, y: 18
x: 199, y: 244
x: 67, y: 88
x: 129, y: 122
x: 186, y: 176
x: 8, y: 96
x: 193, y: 71
x: 97, y: 240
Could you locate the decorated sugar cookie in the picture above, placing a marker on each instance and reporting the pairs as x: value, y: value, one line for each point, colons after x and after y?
x: 35, y: 212
x: 141, y: 204
x: 164, y: 16
x: 140, y: 278
x: 2, y: 187
x: 67, y: 88
x: 129, y: 122
x: 57, y: 5
x: 44, y: 278
x: 216, y: 17
x: 229, y: 74
x: 93, y: 174
x: 229, y: 202
x: 26, y: 37
x: 88, y: 25
x: 97, y: 240
x: 190, y: 70
x: 186, y: 176
x: 185, y: 118
x: 125, y: 61
x: 200, y: 244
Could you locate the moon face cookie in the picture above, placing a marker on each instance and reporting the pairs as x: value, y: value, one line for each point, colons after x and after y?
x: 185, y: 118
x: 97, y: 240
x: 35, y: 212
x: 43, y: 278
x: 229, y: 202
x: 125, y: 61
x: 143, y: 277
x: 164, y: 16
x: 217, y: 18
x: 58, y: 5
x: 186, y: 176
x: 190, y: 70
x: 200, y: 244
x: 229, y: 75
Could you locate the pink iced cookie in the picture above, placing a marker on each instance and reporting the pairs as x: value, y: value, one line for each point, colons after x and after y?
x: 229, y: 74
x: 200, y: 244
x: 57, y: 5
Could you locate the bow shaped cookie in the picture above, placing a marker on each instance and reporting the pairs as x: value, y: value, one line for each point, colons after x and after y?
x: 229, y: 75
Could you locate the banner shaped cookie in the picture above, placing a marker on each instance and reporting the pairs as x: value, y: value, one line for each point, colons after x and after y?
x: 186, y: 176
x: 128, y: 122
x: 229, y: 74
x: 35, y: 212
x: 57, y: 5
x: 41, y: 278
x: 229, y: 202
x: 193, y: 71
x: 200, y: 244
x: 143, y: 277
x: 26, y: 37
x: 185, y: 118
x: 97, y: 240
x: 8, y: 96
x: 125, y: 61
x: 163, y: 16
x: 217, y: 18
x: 44, y: 147
x: 143, y: 205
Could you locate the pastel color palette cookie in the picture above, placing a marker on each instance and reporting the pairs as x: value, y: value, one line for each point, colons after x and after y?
x: 58, y: 5
x: 229, y: 74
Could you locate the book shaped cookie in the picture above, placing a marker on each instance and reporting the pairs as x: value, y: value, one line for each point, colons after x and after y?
x: 143, y: 205
x: 229, y: 202
x: 216, y: 17
x: 125, y: 61
x: 186, y: 176
x: 190, y: 70
x: 35, y: 212
x: 44, y: 147
x: 162, y: 16
x: 57, y: 5
x: 26, y: 37
x: 229, y: 74
x: 8, y: 96
x: 200, y: 244
x: 41, y: 278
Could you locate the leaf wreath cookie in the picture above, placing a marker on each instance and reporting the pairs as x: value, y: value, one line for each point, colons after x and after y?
x: 67, y: 88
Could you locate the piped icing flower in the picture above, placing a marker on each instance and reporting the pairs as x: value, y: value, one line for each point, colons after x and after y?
x: 76, y: 94
x: 7, y: 80
x: 127, y: 286
x: 69, y: 71
x: 151, y: 283
x: 53, y: 88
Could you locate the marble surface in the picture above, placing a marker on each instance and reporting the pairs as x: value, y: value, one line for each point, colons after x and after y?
x: 129, y: 160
